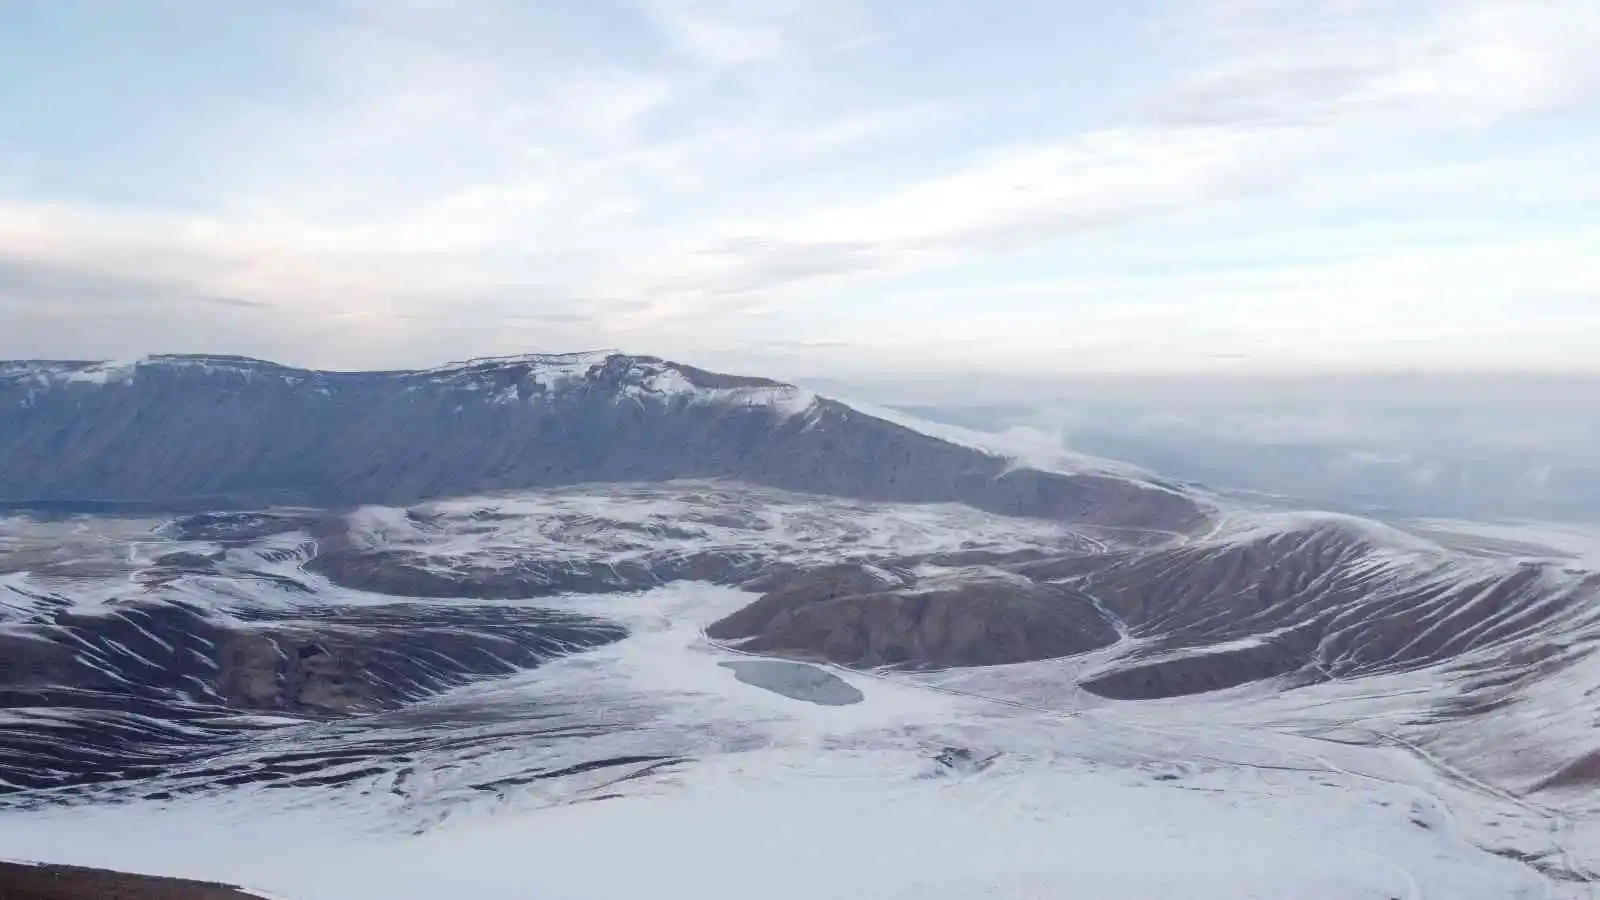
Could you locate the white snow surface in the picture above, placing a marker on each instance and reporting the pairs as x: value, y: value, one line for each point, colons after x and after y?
x: 1024, y: 447
x: 104, y: 373
x: 793, y: 800
x: 1250, y: 792
x: 614, y: 523
x: 1244, y: 528
x: 1573, y: 543
x: 53, y: 373
x: 649, y: 378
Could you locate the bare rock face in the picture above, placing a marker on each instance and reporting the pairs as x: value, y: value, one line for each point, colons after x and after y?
x: 860, y: 616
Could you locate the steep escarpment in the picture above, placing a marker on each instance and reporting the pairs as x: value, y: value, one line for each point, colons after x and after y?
x: 135, y: 688
x: 229, y: 431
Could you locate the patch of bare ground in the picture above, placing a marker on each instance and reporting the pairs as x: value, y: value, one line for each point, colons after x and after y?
x: 1583, y: 772
x: 27, y: 882
x: 863, y: 616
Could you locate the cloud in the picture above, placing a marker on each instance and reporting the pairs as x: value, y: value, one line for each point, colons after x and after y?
x: 1452, y: 65
x: 1485, y: 302
x: 718, y: 41
x: 25, y: 283
x: 234, y: 303
x: 685, y: 176
x: 431, y: 173
x: 721, y: 34
x: 549, y: 318
x: 72, y: 312
x: 1017, y: 198
x: 1294, y: 94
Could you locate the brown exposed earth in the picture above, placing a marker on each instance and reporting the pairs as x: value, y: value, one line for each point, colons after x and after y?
x: 1326, y: 600
x: 1213, y: 670
x: 25, y: 882
x: 857, y: 616
x: 1581, y: 773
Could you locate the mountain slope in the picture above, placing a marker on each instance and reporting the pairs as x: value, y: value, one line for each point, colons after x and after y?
x: 529, y: 652
x: 232, y: 431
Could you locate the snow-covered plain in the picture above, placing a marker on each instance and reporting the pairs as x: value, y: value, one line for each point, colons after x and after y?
x: 1574, y: 543
x: 646, y: 766
x: 616, y: 523
x: 795, y: 800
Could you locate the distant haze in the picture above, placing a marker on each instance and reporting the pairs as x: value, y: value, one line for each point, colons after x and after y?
x: 858, y: 188
x: 1521, y: 447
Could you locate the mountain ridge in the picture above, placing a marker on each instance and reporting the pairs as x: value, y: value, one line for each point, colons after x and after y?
x: 179, y: 427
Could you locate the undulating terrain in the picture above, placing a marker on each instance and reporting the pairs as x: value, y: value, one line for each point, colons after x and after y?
x: 591, y: 625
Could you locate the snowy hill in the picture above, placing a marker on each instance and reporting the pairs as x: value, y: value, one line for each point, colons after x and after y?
x: 213, y: 431
x: 532, y: 616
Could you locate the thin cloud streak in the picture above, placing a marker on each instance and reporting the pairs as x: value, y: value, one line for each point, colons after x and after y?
x: 715, y: 183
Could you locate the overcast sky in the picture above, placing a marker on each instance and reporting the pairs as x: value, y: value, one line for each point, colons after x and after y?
x: 807, y: 186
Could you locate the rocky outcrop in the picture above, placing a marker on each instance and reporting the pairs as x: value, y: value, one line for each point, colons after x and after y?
x: 222, y: 431
x: 859, y: 616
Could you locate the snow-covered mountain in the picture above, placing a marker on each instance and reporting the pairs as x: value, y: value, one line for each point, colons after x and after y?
x: 531, y: 614
x: 204, y: 430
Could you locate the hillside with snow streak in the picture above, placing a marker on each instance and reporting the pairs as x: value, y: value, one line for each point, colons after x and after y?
x: 585, y: 625
x: 224, y: 431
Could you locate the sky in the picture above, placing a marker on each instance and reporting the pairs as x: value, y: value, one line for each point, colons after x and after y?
x: 807, y: 187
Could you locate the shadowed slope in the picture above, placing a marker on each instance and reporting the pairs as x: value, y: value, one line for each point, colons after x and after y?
x: 26, y: 882
x: 230, y: 431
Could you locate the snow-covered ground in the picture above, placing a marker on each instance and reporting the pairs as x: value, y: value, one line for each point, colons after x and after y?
x: 651, y: 765
x: 616, y: 523
x: 1023, y: 445
x: 798, y: 824
x: 787, y: 799
x: 1575, y: 543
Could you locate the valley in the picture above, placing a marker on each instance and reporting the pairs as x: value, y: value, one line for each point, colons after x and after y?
x: 811, y: 665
